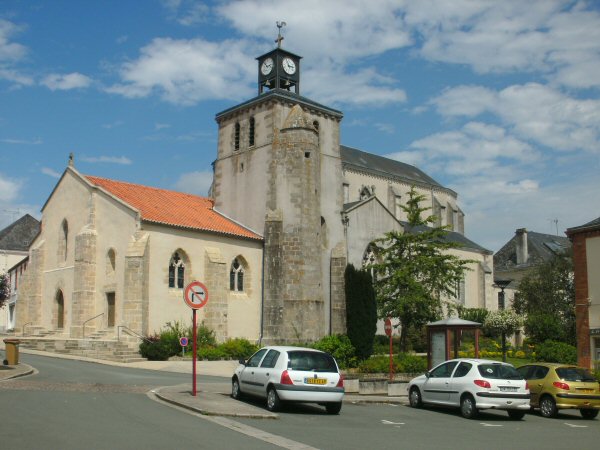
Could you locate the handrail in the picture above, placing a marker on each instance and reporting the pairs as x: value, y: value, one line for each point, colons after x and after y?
x: 129, y: 330
x: 28, y: 323
x: 95, y: 317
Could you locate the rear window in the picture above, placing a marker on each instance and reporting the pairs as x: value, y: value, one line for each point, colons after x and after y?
x: 499, y: 372
x: 574, y: 374
x: 311, y: 361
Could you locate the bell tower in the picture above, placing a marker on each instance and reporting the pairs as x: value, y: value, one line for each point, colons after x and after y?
x: 279, y: 69
x: 278, y: 172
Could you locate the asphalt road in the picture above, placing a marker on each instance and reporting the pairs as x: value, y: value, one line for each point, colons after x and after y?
x: 77, y: 405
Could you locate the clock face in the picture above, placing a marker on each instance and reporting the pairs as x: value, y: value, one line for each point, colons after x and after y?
x: 267, y: 66
x: 289, y: 66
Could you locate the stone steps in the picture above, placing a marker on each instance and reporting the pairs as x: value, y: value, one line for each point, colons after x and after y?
x: 110, y: 350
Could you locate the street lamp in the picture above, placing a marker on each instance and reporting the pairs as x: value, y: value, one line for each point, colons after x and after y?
x: 502, y: 284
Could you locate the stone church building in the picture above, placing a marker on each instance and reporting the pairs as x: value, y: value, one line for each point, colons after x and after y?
x: 288, y: 209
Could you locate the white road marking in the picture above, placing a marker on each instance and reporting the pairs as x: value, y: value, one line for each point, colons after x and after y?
x: 387, y: 422
x: 572, y: 425
x: 490, y: 424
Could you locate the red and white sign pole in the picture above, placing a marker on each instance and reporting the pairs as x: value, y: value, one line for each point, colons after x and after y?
x: 388, y: 331
x: 195, y: 296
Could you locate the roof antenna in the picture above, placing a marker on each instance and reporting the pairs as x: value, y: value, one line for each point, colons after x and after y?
x: 280, y: 25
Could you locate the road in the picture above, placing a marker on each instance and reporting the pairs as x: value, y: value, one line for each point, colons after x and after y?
x: 74, y: 405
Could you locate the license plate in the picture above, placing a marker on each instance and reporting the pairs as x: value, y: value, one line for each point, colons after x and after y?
x: 508, y: 388
x: 315, y: 380
x: 585, y: 391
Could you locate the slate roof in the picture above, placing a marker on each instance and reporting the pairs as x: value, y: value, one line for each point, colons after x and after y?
x: 19, y: 235
x: 389, y: 168
x: 173, y: 208
x: 450, y: 236
x: 594, y: 224
x: 541, y: 247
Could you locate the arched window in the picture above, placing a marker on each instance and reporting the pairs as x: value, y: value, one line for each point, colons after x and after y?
x: 236, y: 137
x: 176, y: 272
x: 369, y: 260
x: 110, y: 262
x: 63, y: 241
x: 59, y: 309
x: 236, y: 276
x: 251, y: 133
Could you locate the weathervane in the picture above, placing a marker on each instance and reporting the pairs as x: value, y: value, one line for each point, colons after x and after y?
x: 280, y: 25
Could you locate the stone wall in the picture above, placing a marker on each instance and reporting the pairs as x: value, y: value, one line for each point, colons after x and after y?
x: 216, y: 276
x: 135, y: 301
x: 84, y: 283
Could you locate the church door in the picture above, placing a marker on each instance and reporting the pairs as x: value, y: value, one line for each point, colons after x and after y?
x: 110, y: 303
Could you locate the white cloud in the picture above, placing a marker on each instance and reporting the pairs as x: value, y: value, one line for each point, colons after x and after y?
x: 35, y: 141
x: 188, y: 71
x: 66, y: 82
x: 160, y: 126
x: 110, y: 126
x: 50, y: 172
x: 9, y: 188
x: 107, y: 159
x: 10, y: 51
x: 195, y: 182
x: 533, y: 112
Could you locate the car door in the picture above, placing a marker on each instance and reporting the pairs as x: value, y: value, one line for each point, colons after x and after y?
x: 458, y: 382
x: 247, y: 382
x: 536, y: 382
x: 436, y: 388
x: 265, y: 371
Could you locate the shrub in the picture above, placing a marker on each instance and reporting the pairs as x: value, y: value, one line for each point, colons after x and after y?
x: 361, y: 310
x: 211, y: 353
x: 378, y: 364
x: 541, y: 327
x: 340, y: 347
x: 238, y: 348
x: 410, y: 363
x: 552, y: 351
x: 154, y: 349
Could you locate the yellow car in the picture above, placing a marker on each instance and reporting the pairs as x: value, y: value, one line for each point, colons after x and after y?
x: 562, y: 386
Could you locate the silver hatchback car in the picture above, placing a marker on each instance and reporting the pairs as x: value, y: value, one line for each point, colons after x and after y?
x: 472, y: 385
x: 290, y: 374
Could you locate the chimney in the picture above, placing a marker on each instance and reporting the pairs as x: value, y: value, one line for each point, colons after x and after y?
x: 522, y: 251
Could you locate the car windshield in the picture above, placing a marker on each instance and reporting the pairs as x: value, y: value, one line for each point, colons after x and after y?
x: 574, y: 374
x: 499, y: 372
x: 313, y: 361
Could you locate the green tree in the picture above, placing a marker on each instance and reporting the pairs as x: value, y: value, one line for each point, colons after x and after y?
x: 547, y: 296
x: 361, y: 310
x: 4, y: 288
x: 416, y: 271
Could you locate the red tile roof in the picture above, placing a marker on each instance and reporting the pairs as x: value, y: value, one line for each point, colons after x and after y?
x: 172, y: 208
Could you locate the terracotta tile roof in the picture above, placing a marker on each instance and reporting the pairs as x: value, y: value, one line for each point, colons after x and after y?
x: 172, y: 208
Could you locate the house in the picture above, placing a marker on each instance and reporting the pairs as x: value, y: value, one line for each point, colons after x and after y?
x: 586, y: 265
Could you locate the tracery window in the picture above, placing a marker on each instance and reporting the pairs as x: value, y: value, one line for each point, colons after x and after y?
x: 236, y: 276
x: 176, y: 272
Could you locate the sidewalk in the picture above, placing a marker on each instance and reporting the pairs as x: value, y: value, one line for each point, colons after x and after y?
x: 211, y: 398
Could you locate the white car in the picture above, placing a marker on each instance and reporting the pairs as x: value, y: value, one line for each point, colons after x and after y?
x: 472, y: 385
x: 290, y: 374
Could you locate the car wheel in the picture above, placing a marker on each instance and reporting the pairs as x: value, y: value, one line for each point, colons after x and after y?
x: 414, y: 398
x: 467, y: 407
x: 273, y: 402
x: 548, y: 406
x: 516, y: 414
x: 333, y: 408
x: 588, y: 413
x: 236, y: 392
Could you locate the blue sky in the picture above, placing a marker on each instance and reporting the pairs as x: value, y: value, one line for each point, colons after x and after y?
x: 497, y: 100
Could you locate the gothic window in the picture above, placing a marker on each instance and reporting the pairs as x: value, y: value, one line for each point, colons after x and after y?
x: 397, y: 206
x: 346, y: 193
x: 251, y: 133
x: 365, y: 192
x: 110, y: 262
x: 63, y: 241
x: 369, y: 260
x: 176, y: 271
x: 236, y: 137
x: 236, y: 276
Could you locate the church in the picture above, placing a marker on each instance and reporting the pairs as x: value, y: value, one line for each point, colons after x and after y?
x: 288, y: 209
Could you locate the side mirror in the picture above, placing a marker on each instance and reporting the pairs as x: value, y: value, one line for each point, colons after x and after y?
x: 427, y: 374
x: 242, y: 361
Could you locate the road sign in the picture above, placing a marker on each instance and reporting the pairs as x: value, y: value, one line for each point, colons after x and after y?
x: 388, y: 327
x: 195, y: 295
x: 183, y: 341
